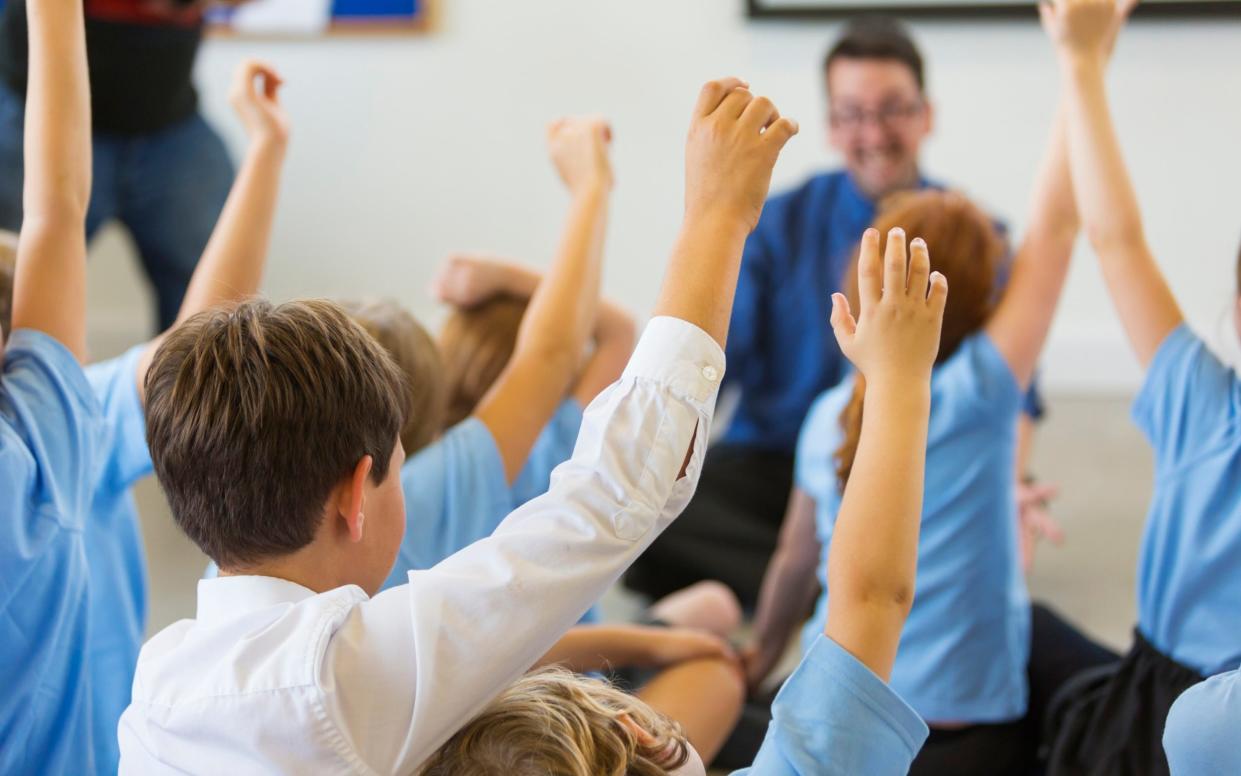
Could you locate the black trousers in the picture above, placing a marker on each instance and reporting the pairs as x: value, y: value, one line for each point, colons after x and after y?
x: 1110, y: 722
x: 728, y: 532
x: 1058, y: 653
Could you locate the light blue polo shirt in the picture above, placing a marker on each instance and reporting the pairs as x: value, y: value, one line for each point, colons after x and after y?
x: 113, y: 542
x: 1201, y: 735
x: 51, y: 437
x: 1189, y: 567
x: 456, y: 491
x: 964, y: 650
x: 834, y: 717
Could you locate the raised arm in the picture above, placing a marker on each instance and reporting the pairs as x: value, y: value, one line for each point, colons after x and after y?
x: 231, y: 266
x: 874, y: 554
x: 1083, y: 31
x: 49, y: 289
x: 734, y: 140
x: 562, y: 309
x: 1023, y: 317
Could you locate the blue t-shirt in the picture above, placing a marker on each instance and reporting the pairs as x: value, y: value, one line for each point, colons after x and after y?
x: 834, y: 717
x: 781, y: 355
x: 1200, y: 737
x: 1189, y: 569
x: 114, y: 550
x: 50, y: 442
x: 964, y: 650
x: 456, y: 491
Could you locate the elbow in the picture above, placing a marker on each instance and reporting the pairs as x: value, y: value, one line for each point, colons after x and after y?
x: 879, y: 595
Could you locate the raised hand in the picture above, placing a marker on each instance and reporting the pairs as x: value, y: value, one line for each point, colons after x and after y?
x: 579, y: 149
x: 1085, y: 28
x: 254, y: 97
x: 468, y: 280
x: 734, y: 140
x: 895, y: 338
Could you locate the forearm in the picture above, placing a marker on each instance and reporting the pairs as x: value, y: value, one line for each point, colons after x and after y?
x: 701, y: 279
x: 1101, y: 180
x: 872, y: 563
x: 231, y: 266
x: 563, y: 306
x: 58, y: 120
x: 1023, y: 318
x: 50, y: 279
x: 599, y: 647
x: 1145, y: 304
x: 787, y: 592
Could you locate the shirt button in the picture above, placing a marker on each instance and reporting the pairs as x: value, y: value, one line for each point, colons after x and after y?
x: 711, y: 373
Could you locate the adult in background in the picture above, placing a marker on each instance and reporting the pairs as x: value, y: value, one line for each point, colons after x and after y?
x: 780, y: 356
x: 159, y: 168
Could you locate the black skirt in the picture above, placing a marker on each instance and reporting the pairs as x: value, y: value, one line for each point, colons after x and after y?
x: 1109, y: 721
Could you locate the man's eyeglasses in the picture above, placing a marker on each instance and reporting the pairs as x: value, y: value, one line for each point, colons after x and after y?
x: 887, y: 116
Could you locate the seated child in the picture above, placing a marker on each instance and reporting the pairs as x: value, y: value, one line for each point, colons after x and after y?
x: 230, y: 267
x: 1189, y: 577
x: 275, y: 433
x: 966, y: 649
x: 836, y: 715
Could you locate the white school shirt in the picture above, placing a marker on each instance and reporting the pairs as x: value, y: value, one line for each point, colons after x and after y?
x: 273, y: 678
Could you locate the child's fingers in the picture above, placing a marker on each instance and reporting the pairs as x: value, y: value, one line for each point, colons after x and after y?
x: 713, y: 93
x: 843, y: 323
x: 780, y: 132
x: 938, y: 295
x: 919, y: 269
x: 869, y: 270
x: 894, y: 271
x: 736, y: 102
x: 759, y: 114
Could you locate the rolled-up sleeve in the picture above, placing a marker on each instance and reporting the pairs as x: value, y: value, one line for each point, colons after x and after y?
x: 419, y: 660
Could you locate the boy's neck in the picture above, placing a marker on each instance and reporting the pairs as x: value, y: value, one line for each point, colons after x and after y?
x: 307, y: 567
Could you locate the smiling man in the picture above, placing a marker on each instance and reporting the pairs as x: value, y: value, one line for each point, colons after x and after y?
x: 780, y: 356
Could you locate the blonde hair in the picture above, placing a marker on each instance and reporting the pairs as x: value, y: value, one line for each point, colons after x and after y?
x: 476, y: 344
x: 966, y: 248
x: 8, y: 269
x: 556, y: 723
x: 417, y: 356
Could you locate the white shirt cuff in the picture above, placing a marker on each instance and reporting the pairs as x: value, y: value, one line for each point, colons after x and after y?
x: 677, y: 354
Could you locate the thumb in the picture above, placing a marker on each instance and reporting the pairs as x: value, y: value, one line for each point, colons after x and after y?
x: 843, y: 324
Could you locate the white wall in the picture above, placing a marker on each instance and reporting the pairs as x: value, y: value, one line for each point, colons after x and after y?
x: 407, y: 148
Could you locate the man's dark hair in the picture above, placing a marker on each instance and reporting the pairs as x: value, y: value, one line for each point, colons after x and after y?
x: 254, y: 415
x: 878, y: 37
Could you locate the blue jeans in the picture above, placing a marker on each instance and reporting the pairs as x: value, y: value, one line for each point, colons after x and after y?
x: 166, y: 187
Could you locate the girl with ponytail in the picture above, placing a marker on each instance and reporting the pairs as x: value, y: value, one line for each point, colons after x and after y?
x: 963, y: 656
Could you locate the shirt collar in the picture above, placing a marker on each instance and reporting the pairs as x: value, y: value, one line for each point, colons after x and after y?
x: 860, y: 198
x: 224, y: 598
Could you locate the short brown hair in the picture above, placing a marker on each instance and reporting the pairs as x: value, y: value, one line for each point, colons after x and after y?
x: 476, y: 344
x: 878, y: 37
x: 417, y: 356
x: 8, y: 269
x: 556, y: 723
x: 254, y: 414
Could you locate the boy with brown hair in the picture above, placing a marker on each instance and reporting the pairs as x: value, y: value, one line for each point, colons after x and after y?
x: 275, y: 432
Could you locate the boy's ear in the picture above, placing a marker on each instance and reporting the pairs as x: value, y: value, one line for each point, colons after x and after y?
x: 350, y: 497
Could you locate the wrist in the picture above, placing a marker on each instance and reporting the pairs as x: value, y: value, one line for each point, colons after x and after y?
x: 718, y: 222
x: 908, y: 391
x: 591, y: 191
x: 268, y: 146
x: 1075, y: 63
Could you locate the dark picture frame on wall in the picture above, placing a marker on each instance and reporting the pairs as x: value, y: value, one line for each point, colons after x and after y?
x: 827, y: 9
